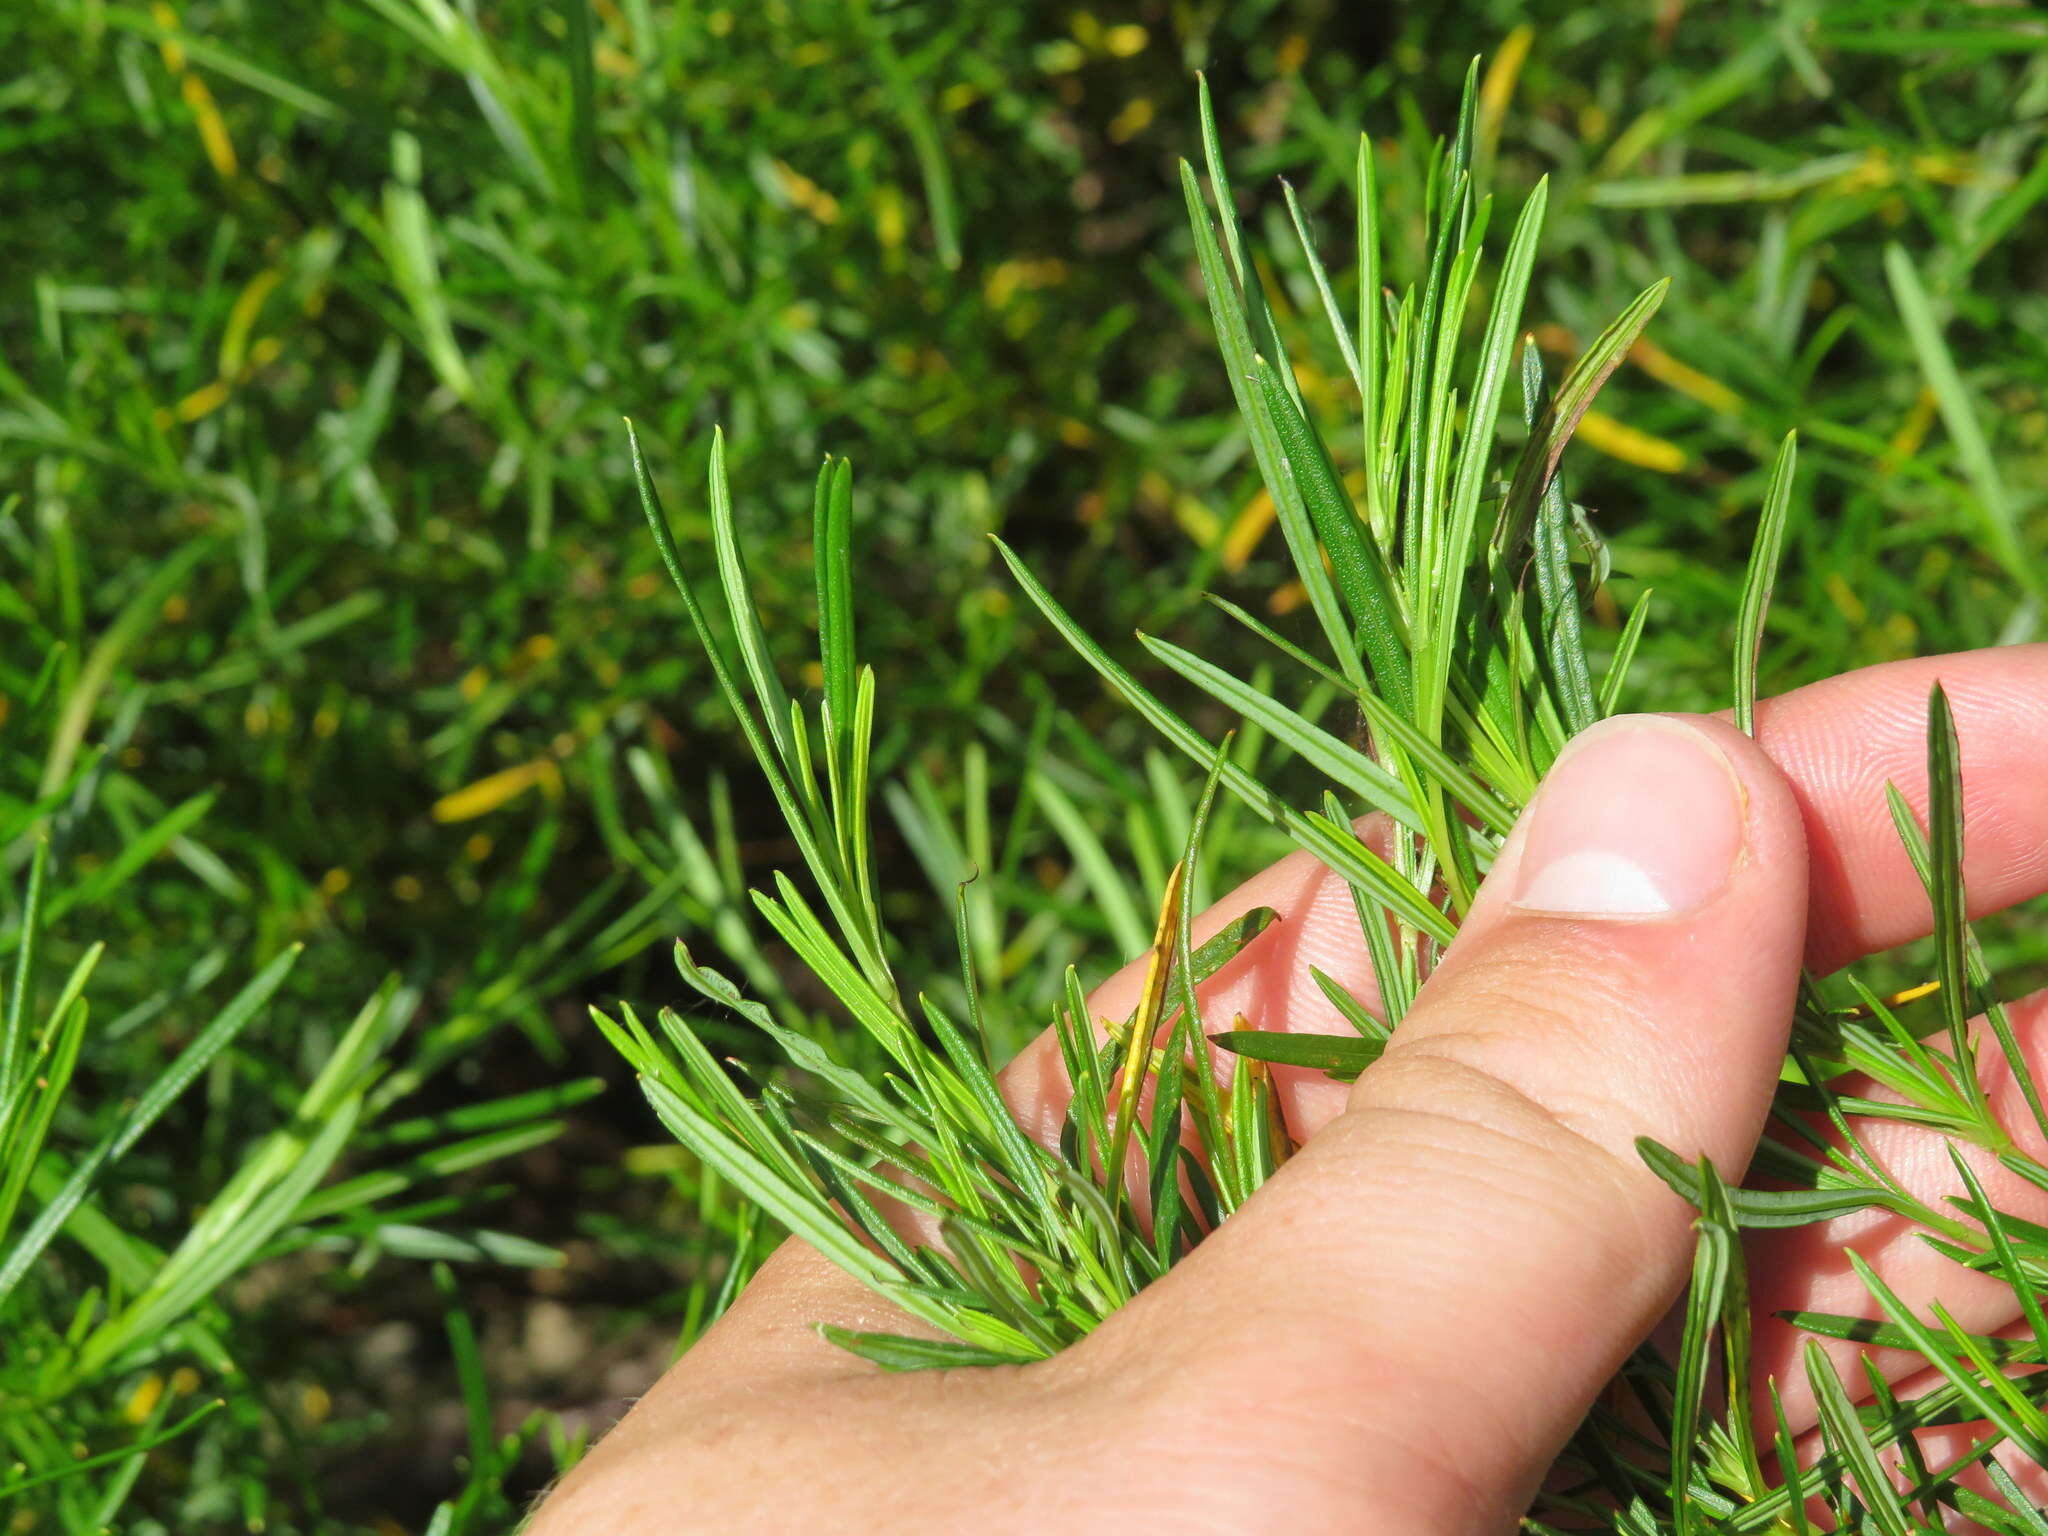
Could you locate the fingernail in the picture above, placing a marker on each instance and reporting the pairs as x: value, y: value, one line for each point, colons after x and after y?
x: 1642, y: 817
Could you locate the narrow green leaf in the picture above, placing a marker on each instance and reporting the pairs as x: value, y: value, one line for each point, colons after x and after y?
x: 773, y: 1190
x: 1343, y: 763
x: 1998, y: 1231
x: 1356, y: 560
x: 41, y: 1092
x: 1844, y: 1434
x: 1715, y: 1259
x: 1864, y: 1330
x: 1114, y: 897
x: 1331, y: 311
x: 1225, y: 946
x: 1339, y: 849
x: 214, y: 1249
x: 895, y: 1352
x: 1354, y: 1012
x: 1763, y: 1207
x: 1624, y: 655
x: 835, y: 596
x: 468, y: 1358
x: 2028, y: 1518
x: 135, y: 855
x: 137, y: 1447
x: 1341, y: 1056
x: 14, y: 1025
x: 1259, y: 317
x: 1485, y: 806
x: 1371, y: 343
x: 1240, y: 357
x: 1945, y: 891
x: 906, y: 94
x: 581, y: 54
x: 1788, y: 1462
x: 768, y: 750
x: 746, y: 618
x: 1984, y: 1401
x: 1557, y: 592
x: 1959, y: 415
x: 1561, y: 418
x: 188, y: 1064
x: 1762, y: 577
x: 1475, y: 458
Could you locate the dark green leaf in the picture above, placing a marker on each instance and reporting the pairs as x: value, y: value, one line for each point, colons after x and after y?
x: 1341, y: 1056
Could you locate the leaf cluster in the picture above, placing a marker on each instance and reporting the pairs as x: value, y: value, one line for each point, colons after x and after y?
x: 1449, y: 580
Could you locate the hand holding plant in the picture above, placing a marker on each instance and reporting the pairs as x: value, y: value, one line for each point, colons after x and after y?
x: 1577, y: 966
x: 1402, y: 1327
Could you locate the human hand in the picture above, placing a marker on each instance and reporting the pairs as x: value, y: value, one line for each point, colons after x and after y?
x: 1399, y: 1331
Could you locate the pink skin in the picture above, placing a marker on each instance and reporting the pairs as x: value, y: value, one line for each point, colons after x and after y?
x: 1405, y: 1324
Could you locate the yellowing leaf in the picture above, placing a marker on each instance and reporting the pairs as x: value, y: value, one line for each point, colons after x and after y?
x: 1133, y: 120
x: 203, y: 401
x: 806, y: 194
x: 166, y: 17
x: 234, y: 338
x: 1246, y: 529
x: 1845, y: 599
x: 1912, y: 431
x: 1498, y: 88
x: 143, y: 1400
x: 213, y: 132
x: 1125, y: 40
x: 494, y: 790
x: 1618, y: 440
x: 1666, y: 369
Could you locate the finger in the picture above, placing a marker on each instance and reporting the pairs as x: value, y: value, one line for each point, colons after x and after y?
x: 1445, y: 1276
x: 1800, y: 1269
x: 1840, y: 742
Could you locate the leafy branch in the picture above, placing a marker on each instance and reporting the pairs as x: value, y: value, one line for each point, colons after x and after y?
x: 1439, y: 559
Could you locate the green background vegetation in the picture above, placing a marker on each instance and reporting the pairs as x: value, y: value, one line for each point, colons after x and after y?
x: 329, y: 621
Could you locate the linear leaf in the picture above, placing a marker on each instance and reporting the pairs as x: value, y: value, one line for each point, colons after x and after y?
x: 1341, y: 1056
x: 1342, y: 762
x: 1762, y: 577
x: 1359, y: 567
x: 1763, y: 1207
x: 1561, y: 418
x: 1959, y: 415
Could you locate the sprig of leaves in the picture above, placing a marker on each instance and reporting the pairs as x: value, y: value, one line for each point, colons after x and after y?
x: 922, y: 1184
x: 1459, y: 642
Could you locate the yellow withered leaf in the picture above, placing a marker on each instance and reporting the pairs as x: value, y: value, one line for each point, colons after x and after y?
x: 1618, y: 440
x: 497, y: 789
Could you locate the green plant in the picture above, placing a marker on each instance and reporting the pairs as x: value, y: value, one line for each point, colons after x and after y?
x: 118, y: 1346
x: 307, y: 542
x: 1450, y: 597
x: 134, y: 1384
x: 364, y: 663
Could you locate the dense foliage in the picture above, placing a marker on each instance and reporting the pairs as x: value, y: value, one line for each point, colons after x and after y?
x: 328, y: 619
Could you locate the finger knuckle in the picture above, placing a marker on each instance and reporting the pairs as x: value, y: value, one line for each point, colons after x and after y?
x: 1548, y: 1145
